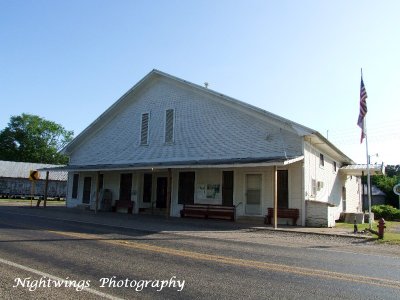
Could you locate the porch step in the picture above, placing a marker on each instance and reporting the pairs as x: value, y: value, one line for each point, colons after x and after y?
x: 250, y: 219
x: 153, y: 211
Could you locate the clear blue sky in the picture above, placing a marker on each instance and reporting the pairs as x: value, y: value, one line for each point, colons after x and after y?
x: 68, y: 61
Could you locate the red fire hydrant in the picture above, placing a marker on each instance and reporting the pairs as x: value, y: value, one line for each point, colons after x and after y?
x: 381, y: 228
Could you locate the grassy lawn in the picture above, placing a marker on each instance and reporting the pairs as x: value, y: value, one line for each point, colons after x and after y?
x: 392, y: 230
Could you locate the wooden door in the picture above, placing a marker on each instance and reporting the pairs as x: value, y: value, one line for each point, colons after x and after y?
x: 125, y: 187
x: 87, y: 187
x: 186, y: 188
x: 283, y: 189
x: 162, y: 183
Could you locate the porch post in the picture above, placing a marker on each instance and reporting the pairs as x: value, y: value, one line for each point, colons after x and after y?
x: 169, y: 188
x: 363, y: 191
x: 97, y: 191
x: 46, y: 187
x: 275, y: 198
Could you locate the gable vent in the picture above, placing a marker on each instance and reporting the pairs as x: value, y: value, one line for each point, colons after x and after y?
x: 144, y: 131
x: 169, y: 126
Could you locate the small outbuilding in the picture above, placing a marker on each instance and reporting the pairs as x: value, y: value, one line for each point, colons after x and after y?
x: 15, y: 183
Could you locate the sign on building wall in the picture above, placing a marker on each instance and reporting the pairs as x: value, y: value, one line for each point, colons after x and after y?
x: 208, y: 191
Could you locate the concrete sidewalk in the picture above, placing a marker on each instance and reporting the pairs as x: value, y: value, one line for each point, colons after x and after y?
x: 156, y: 223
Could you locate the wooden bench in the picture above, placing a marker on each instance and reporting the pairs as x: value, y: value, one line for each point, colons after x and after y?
x: 290, y: 213
x: 209, y: 211
x: 124, y: 204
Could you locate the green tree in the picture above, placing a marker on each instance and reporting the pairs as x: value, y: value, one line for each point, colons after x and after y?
x: 392, y: 170
x: 29, y: 138
x: 386, y: 183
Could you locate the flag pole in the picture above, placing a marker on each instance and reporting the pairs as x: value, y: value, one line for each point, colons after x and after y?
x: 364, y: 133
x: 368, y: 176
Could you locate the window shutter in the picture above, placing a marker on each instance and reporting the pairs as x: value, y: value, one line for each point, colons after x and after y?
x: 169, y: 126
x: 144, y: 132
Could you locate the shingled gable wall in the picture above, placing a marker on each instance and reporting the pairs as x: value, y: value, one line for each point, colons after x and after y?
x: 205, y: 128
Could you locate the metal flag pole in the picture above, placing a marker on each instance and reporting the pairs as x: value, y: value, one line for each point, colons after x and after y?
x: 368, y: 176
x: 364, y: 134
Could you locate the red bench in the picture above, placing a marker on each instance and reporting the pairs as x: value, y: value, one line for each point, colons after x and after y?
x: 290, y: 213
x: 208, y: 211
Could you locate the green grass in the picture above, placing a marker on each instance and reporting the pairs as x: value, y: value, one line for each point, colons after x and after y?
x: 391, y: 235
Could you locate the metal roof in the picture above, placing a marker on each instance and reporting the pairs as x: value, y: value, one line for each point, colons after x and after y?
x: 357, y: 170
x: 13, y: 169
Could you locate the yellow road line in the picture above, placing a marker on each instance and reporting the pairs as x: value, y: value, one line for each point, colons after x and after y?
x: 238, y: 261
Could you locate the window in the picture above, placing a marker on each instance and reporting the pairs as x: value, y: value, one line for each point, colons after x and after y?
x: 313, y: 187
x: 75, y: 183
x: 334, y: 166
x: 253, y: 194
x: 321, y: 160
x: 169, y: 126
x: 144, y: 130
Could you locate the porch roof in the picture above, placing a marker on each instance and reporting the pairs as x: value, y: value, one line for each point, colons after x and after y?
x: 213, y: 163
x: 358, y: 170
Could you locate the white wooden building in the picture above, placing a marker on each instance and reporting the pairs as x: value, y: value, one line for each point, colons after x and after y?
x: 169, y: 135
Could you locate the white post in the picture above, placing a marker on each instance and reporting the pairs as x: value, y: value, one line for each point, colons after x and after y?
x: 275, y: 197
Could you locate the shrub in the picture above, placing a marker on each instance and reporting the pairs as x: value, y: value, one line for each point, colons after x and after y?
x: 387, y: 212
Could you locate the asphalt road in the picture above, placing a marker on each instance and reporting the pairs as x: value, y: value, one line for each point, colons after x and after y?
x: 92, y: 261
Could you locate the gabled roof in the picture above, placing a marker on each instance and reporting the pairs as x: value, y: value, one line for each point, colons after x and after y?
x: 156, y: 74
x: 13, y: 169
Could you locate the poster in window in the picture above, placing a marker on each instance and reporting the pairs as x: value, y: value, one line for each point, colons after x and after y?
x: 213, y: 191
x: 201, y: 191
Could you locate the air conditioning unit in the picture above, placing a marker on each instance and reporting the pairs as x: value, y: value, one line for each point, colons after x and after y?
x: 320, y: 185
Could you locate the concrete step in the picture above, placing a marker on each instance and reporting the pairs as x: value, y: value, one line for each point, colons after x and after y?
x: 250, y: 219
x: 153, y: 211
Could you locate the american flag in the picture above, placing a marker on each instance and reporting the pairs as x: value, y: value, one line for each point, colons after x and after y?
x: 363, y: 109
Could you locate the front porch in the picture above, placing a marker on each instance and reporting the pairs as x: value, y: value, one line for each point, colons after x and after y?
x: 251, y: 190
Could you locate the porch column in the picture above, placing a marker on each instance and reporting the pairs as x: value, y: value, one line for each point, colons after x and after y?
x: 97, y: 191
x: 275, y: 198
x: 169, y: 188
